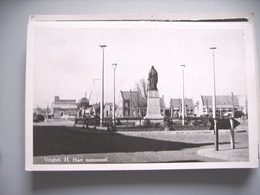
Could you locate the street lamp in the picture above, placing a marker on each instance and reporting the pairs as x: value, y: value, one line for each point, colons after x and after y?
x: 214, y: 84
x: 214, y: 100
x: 183, y: 100
x: 114, y: 102
x: 102, y: 86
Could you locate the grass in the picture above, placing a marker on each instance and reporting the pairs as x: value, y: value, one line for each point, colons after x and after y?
x: 55, y: 140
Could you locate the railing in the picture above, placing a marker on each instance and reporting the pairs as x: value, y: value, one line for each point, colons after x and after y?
x: 193, y: 123
x: 167, y: 124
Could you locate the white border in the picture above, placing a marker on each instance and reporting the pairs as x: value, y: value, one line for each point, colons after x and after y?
x: 78, y: 21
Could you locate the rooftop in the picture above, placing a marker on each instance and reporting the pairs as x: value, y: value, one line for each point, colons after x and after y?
x: 224, y: 100
x: 135, y: 98
x: 176, y: 102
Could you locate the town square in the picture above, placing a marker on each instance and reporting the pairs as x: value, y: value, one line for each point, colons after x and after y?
x: 121, y: 94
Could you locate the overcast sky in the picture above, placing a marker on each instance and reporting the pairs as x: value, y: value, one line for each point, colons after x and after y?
x: 67, y: 58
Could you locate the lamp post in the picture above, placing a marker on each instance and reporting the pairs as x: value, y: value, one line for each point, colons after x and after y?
x: 114, y: 102
x: 102, y: 86
x: 214, y: 100
x: 214, y: 84
x: 183, y: 100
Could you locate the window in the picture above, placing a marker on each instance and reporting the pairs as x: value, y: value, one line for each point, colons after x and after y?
x: 126, y: 104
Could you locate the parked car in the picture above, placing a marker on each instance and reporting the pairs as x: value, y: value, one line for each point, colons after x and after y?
x: 239, y: 114
x: 38, y: 117
x: 228, y: 114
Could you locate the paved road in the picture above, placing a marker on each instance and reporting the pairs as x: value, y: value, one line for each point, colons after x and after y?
x: 225, y: 153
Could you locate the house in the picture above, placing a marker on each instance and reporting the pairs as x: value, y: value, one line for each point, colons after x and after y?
x: 62, y: 107
x: 224, y: 104
x: 131, y: 104
x: 108, y: 110
x: 43, y: 111
x: 176, y: 107
x: 84, y: 108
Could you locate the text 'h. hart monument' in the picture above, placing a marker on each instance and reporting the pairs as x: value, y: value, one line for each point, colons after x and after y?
x: 153, y: 100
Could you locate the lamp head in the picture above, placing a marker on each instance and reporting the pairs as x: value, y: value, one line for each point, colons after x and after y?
x: 114, y: 65
x: 183, y: 66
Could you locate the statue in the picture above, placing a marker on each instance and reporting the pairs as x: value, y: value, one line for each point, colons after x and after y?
x: 152, y: 79
x: 153, y: 112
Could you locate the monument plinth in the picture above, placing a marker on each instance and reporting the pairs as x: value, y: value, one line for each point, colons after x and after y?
x: 153, y: 100
x: 153, y: 106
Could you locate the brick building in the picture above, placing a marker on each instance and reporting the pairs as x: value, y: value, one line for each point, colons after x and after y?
x: 133, y: 104
x: 63, y: 107
x: 224, y: 104
x: 176, y: 107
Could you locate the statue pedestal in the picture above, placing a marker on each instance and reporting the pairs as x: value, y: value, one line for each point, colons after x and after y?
x: 153, y: 107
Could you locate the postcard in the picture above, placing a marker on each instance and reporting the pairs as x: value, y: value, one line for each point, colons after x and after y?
x: 148, y: 93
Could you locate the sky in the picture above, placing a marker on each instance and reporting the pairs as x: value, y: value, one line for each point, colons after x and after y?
x: 67, y: 59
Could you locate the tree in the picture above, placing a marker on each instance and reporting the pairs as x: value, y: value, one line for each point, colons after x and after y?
x: 141, y: 87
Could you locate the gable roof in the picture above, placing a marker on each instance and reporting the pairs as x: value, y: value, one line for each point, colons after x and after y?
x: 128, y: 95
x: 108, y: 104
x: 176, y: 102
x: 221, y: 100
x: 135, y: 98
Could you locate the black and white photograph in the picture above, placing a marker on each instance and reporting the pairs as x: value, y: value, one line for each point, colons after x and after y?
x: 140, y: 94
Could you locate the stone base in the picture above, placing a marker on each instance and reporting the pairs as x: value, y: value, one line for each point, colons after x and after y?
x: 153, y: 107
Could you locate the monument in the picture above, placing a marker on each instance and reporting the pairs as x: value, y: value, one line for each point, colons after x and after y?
x: 153, y: 99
